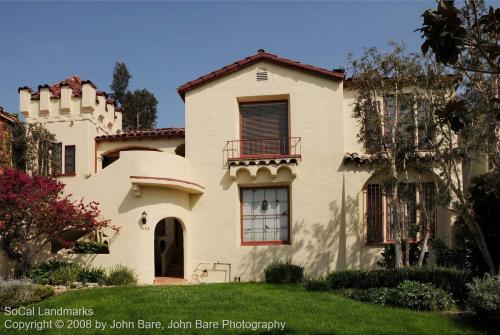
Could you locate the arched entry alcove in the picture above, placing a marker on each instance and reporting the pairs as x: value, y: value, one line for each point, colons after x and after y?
x: 169, y: 248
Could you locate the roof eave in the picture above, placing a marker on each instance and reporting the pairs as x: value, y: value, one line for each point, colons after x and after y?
x: 261, y: 56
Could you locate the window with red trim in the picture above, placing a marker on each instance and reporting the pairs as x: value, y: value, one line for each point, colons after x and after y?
x: 264, y: 128
x: 265, y: 215
x: 379, y: 212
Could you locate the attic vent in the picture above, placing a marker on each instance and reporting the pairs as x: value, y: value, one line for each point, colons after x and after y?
x: 261, y: 74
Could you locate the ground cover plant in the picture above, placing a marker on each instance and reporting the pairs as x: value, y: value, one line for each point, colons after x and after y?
x: 15, y: 293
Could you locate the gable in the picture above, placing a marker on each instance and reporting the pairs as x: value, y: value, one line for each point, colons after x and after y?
x: 259, y: 57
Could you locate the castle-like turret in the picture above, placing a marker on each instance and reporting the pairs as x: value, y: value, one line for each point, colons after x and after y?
x: 76, y: 113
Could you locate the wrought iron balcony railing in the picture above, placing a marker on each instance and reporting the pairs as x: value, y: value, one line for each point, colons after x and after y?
x: 267, y: 148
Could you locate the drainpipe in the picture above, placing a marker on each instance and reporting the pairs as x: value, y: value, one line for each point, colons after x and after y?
x: 228, y: 265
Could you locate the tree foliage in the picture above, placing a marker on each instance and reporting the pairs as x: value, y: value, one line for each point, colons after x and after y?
x: 40, y: 145
x: 140, y: 110
x: 19, y: 146
x: 33, y: 211
x: 410, y: 87
x: 139, y: 107
x: 466, y: 39
x: 119, y: 85
x: 5, y: 141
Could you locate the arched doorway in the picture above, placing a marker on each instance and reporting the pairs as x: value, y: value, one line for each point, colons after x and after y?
x: 169, y: 248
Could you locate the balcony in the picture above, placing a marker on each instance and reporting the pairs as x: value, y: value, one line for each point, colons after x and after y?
x: 252, y: 155
x: 268, y: 148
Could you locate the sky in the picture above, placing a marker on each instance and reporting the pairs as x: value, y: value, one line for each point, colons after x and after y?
x: 166, y: 44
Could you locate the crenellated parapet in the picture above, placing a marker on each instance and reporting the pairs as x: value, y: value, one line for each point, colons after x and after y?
x: 71, y: 99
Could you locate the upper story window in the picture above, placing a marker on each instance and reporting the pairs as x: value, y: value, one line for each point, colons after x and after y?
x: 265, y: 217
x: 58, y: 159
x: 69, y: 159
x: 413, y: 120
x: 264, y: 128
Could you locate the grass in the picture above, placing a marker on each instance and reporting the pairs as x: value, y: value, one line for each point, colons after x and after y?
x: 304, y: 312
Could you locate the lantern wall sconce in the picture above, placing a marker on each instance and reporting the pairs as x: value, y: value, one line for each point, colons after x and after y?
x: 144, y: 217
x: 265, y: 205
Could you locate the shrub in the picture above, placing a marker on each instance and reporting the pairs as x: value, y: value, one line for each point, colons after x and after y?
x: 121, y: 275
x: 65, y: 275
x: 16, y: 293
x: 41, y: 273
x: 90, y: 247
x: 320, y: 284
x: 377, y: 295
x: 92, y: 274
x: 450, y: 280
x: 343, y: 279
x: 484, y: 194
x: 444, y: 255
x: 389, y: 255
x: 284, y: 273
x: 420, y: 296
x: 484, y: 296
x: 408, y: 294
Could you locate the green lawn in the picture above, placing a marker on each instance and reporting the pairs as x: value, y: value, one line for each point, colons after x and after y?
x: 304, y: 312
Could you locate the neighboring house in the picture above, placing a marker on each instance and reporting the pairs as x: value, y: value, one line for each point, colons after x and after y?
x: 7, y: 121
x: 272, y: 171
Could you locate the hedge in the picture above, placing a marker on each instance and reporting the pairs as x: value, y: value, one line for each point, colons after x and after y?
x: 451, y: 280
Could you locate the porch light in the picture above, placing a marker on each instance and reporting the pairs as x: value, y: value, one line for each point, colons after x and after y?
x: 143, y: 218
x: 265, y: 205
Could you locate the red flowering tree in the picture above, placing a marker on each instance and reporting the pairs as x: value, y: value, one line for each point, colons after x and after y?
x: 33, y: 212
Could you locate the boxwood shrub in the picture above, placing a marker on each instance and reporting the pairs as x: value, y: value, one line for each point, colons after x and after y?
x: 316, y: 284
x: 284, y: 273
x: 450, y: 280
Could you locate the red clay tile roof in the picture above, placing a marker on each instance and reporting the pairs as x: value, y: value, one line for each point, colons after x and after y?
x: 7, y: 116
x: 260, y: 56
x: 380, y: 157
x: 133, y: 134
x: 74, y: 82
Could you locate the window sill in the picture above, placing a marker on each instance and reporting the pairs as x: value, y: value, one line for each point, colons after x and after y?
x: 66, y: 175
x: 264, y: 243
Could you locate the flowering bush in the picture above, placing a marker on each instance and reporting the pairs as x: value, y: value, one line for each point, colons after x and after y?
x: 33, y: 211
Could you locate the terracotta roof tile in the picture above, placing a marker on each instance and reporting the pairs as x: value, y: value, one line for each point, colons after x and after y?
x: 74, y: 82
x: 380, y: 157
x: 132, y: 134
x: 260, y: 56
x: 7, y: 116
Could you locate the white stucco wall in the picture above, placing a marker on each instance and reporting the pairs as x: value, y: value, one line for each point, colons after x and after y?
x: 162, y: 144
x: 321, y: 238
x: 112, y: 188
x: 326, y: 197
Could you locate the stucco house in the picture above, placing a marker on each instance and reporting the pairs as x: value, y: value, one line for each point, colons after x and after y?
x: 272, y: 171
